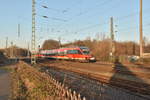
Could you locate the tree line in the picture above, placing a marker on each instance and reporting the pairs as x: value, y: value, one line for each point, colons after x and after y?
x: 100, y: 48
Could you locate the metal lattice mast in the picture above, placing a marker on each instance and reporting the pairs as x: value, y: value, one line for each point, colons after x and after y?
x: 33, y: 42
x: 112, y: 28
x: 112, y: 37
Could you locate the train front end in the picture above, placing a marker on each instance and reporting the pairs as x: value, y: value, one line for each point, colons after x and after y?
x: 88, y: 56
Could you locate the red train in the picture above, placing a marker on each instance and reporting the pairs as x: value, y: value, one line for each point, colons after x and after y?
x: 72, y: 53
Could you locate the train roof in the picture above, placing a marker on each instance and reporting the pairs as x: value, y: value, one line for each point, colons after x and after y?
x: 83, y: 47
x: 58, y: 50
x: 63, y: 49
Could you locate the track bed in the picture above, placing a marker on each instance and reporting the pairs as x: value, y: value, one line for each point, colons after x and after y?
x: 135, y: 78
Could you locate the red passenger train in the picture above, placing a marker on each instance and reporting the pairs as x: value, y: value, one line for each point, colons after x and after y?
x: 71, y: 53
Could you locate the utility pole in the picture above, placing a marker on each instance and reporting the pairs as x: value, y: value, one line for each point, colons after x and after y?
x: 112, y: 38
x: 18, y: 30
x: 28, y: 53
x: 33, y: 42
x: 6, y: 42
x: 6, y: 51
x: 59, y: 40
x: 12, y: 50
x: 141, y: 28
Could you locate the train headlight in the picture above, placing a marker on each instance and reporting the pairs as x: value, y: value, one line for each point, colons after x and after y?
x: 93, y: 58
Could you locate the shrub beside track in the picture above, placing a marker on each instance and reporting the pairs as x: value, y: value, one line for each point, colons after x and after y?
x: 30, y: 84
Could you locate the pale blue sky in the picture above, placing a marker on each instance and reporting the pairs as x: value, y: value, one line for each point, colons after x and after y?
x: 72, y: 19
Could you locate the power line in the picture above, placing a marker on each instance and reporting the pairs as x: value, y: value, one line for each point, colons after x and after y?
x: 95, y: 25
x: 88, y: 27
x: 91, y: 9
x: 92, y: 15
x: 99, y: 5
x: 105, y: 2
x: 52, y: 18
x: 52, y: 9
x: 131, y: 15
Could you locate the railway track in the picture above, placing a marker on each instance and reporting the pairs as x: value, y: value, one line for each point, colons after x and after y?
x: 138, y: 70
x: 135, y: 85
x: 90, y: 88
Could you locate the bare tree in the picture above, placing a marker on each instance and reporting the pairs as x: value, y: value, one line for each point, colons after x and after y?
x: 50, y: 44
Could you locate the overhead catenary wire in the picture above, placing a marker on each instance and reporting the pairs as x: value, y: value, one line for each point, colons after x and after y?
x: 119, y: 18
x: 52, y: 18
x: 90, y: 10
x: 51, y: 9
x: 90, y: 26
x: 105, y: 2
x: 92, y: 15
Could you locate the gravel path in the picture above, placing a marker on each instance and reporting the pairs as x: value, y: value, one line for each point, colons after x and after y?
x: 5, y: 83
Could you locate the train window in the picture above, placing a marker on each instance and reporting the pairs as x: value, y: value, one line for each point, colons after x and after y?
x: 73, y: 52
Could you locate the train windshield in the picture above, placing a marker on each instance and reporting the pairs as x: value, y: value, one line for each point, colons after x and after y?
x: 85, y: 50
